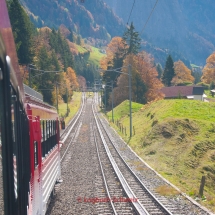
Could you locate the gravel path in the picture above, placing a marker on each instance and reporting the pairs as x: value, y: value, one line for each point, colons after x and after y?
x: 79, y: 171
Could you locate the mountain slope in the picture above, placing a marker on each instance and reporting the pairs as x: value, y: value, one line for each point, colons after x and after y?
x: 183, y: 26
x: 90, y: 20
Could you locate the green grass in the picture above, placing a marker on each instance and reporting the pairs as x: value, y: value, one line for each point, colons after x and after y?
x: 194, y: 66
x: 177, y: 138
x: 73, y: 106
x: 95, y: 56
x: 123, y: 109
x: 80, y: 49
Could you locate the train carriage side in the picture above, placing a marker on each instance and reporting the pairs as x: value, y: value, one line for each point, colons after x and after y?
x: 45, y: 154
x: 29, y: 149
x: 15, y: 174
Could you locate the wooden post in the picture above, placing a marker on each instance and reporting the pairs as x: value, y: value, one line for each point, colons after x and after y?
x: 201, y: 189
x: 125, y: 132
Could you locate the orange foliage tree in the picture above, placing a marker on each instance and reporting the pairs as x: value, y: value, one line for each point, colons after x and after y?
x: 145, y: 84
x: 182, y: 74
x: 149, y: 75
x: 209, y: 70
x: 115, y: 49
x: 71, y: 75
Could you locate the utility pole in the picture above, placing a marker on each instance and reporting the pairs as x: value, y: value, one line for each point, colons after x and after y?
x: 29, y: 73
x: 56, y: 95
x: 112, y: 98
x: 105, y: 99
x: 67, y: 105
x: 130, y: 107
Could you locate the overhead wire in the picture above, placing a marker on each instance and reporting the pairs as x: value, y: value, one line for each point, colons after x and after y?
x: 131, y: 12
x: 149, y: 16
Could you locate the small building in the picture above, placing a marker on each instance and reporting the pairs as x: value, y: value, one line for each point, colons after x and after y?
x: 186, y: 92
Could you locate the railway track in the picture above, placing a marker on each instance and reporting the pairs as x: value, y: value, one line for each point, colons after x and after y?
x: 143, y: 201
x: 68, y: 135
x: 96, y: 179
x: 176, y: 204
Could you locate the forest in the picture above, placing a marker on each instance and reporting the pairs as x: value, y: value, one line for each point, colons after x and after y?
x: 47, y: 57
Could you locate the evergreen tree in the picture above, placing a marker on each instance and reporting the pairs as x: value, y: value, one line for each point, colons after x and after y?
x: 71, y: 37
x: 43, y: 59
x: 54, y: 62
x: 78, y: 40
x: 169, y: 72
x: 23, y: 32
x: 131, y: 40
x: 212, y: 85
x: 60, y: 45
x: 159, y: 70
x: 45, y: 81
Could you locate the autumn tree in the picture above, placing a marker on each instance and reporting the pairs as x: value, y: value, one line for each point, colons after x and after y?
x: 149, y: 75
x: 82, y: 82
x: 121, y: 92
x: 168, y: 72
x: 114, y: 52
x: 209, y: 70
x: 145, y: 83
x: 182, y: 74
x: 114, y: 59
x: 71, y: 76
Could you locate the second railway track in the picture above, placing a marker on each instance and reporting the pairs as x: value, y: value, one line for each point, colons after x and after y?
x: 143, y: 201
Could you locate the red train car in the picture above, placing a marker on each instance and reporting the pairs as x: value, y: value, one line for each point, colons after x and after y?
x: 29, y: 136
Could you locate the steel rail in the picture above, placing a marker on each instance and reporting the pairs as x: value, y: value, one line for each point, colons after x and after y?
x: 137, y: 205
x: 103, y: 175
x: 134, y: 174
x: 71, y: 141
x: 69, y: 127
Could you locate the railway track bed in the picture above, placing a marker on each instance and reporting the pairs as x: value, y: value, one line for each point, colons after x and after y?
x: 97, y: 181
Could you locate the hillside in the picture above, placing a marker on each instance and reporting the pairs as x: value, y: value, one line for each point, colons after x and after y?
x: 179, y: 135
x: 185, y: 27
x: 90, y: 20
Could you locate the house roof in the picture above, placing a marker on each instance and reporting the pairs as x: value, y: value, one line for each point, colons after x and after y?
x: 184, y: 91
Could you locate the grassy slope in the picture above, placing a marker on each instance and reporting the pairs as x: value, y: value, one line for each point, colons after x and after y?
x: 73, y: 106
x: 177, y: 138
x: 80, y: 49
x: 95, y: 56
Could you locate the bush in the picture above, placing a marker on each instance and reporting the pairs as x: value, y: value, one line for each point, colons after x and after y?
x: 206, y: 86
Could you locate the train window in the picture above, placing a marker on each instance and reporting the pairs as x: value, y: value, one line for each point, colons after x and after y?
x: 13, y: 96
x: 35, y: 154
